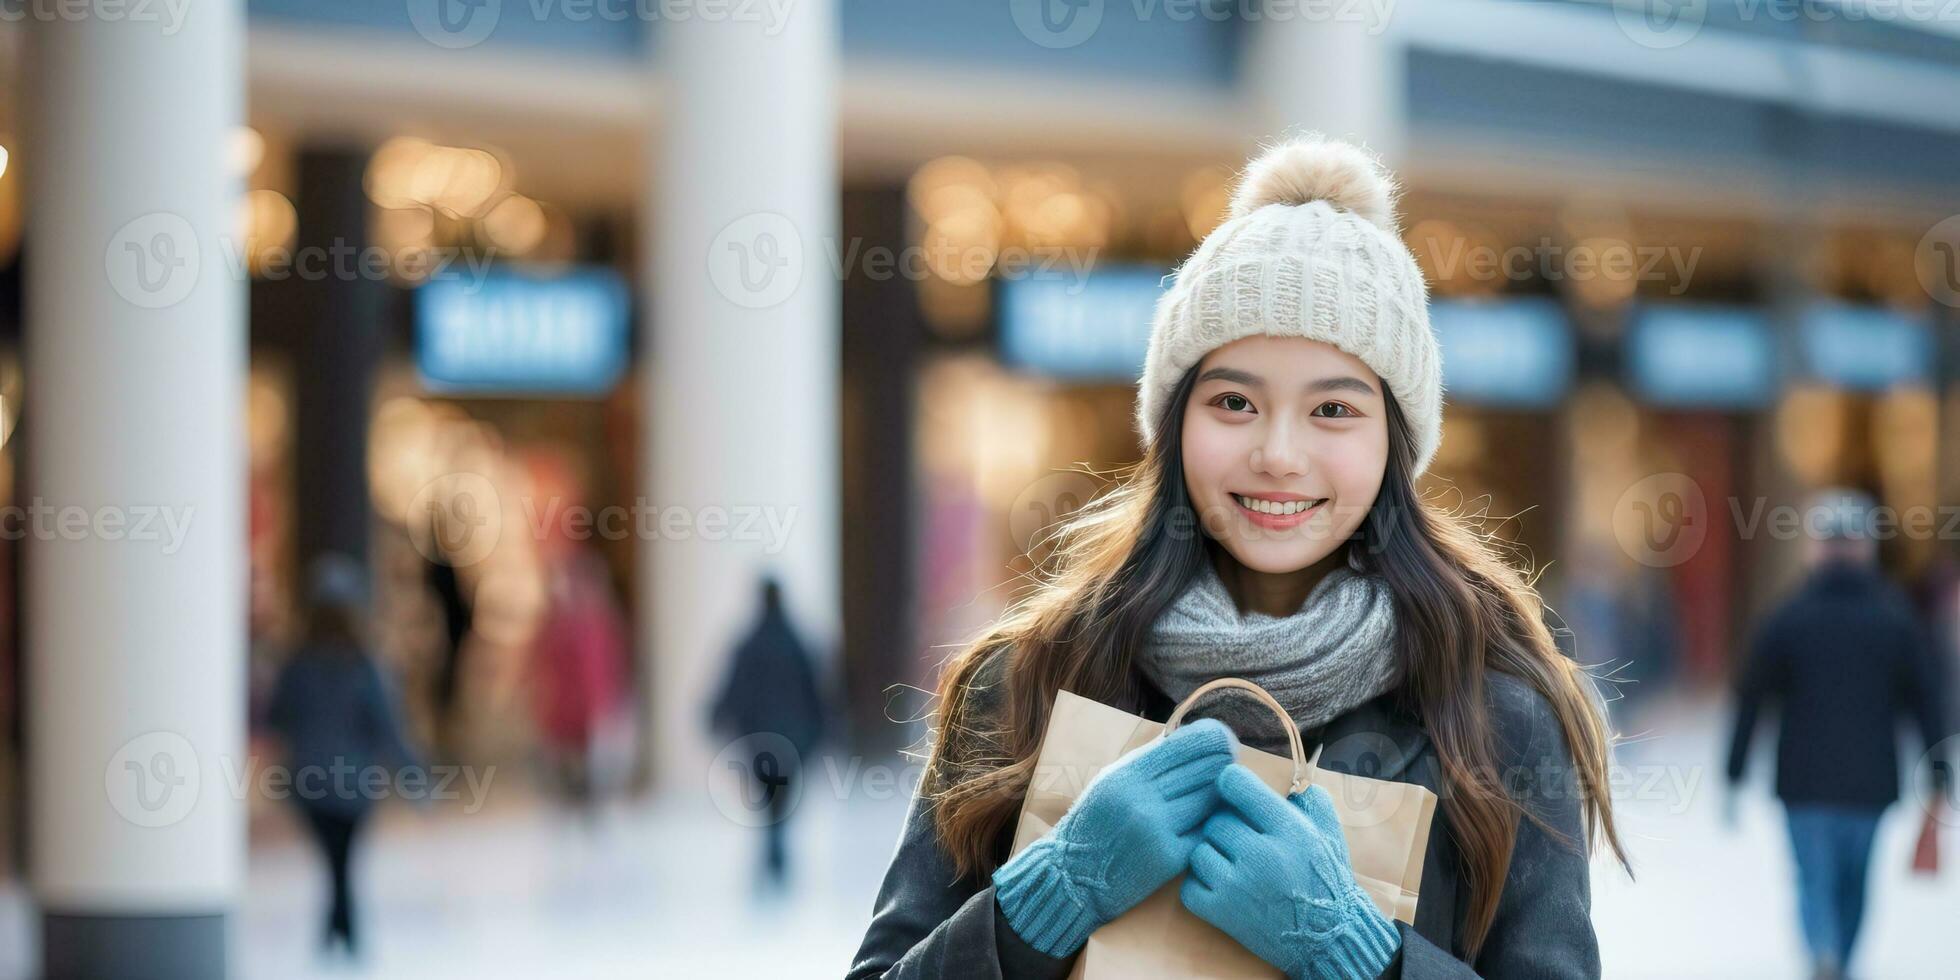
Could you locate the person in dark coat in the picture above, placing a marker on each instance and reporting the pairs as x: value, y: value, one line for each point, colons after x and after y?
x: 770, y: 694
x: 1845, y: 659
x: 337, y: 718
x: 452, y: 596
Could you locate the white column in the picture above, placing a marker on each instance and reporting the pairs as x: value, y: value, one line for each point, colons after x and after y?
x: 1341, y: 74
x: 742, y: 364
x: 135, y: 584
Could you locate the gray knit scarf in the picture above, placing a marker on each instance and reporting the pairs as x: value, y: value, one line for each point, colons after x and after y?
x: 1336, y: 652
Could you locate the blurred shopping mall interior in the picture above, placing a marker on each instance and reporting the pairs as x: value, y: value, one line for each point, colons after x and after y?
x: 523, y: 305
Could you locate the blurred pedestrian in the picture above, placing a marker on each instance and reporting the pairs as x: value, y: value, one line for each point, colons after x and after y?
x: 771, y: 688
x: 453, y: 598
x: 1939, y: 603
x: 336, y: 716
x: 579, y: 671
x: 1844, y: 658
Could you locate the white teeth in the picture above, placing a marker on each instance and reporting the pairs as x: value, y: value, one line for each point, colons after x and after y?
x: 1273, y: 506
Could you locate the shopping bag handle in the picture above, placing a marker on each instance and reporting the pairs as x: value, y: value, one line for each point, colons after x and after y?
x: 1302, y: 766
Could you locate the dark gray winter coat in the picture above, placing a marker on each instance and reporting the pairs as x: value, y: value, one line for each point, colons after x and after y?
x: 929, y: 922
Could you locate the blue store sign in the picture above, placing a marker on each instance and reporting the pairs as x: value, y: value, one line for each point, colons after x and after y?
x: 1702, y: 356
x: 519, y: 334
x: 1509, y: 353
x: 1867, y: 348
x: 1076, y: 327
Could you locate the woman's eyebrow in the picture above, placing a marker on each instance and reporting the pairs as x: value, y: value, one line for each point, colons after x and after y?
x: 1236, y: 376
x: 1343, y: 383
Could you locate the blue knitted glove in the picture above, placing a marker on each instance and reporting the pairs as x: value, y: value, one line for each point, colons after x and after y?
x: 1131, y: 831
x: 1273, y: 873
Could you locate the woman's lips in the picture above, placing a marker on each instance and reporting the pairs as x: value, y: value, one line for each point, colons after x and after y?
x: 1276, y: 521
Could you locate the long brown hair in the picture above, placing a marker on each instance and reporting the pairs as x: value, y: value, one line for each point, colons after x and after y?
x: 1121, y: 560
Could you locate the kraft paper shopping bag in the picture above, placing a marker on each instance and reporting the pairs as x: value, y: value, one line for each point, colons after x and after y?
x: 1386, y: 824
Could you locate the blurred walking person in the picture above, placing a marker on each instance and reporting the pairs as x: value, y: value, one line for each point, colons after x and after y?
x: 336, y: 716
x: 453, y: 597
x: 580, y: 678
x: 771, y: 687
x: 1844, y: 658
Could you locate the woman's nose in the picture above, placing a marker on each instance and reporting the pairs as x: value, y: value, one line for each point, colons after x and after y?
x: 1282, y: 453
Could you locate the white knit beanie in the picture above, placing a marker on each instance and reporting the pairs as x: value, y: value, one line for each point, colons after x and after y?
x: 1312, y: 250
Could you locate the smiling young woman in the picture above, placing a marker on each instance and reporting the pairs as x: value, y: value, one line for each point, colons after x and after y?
x: 1291, y: 398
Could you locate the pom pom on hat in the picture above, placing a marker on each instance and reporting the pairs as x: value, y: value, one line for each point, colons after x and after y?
x: 1317, y: 169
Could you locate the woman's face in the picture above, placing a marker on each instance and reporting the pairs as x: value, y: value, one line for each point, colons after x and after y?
x: 1285, y: 442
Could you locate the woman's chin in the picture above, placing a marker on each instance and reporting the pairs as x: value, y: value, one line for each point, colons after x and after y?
x: 1274, y: 557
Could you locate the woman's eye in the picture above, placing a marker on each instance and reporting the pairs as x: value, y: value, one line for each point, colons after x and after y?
x: 1234, y: 403
x: 1334, y: 410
